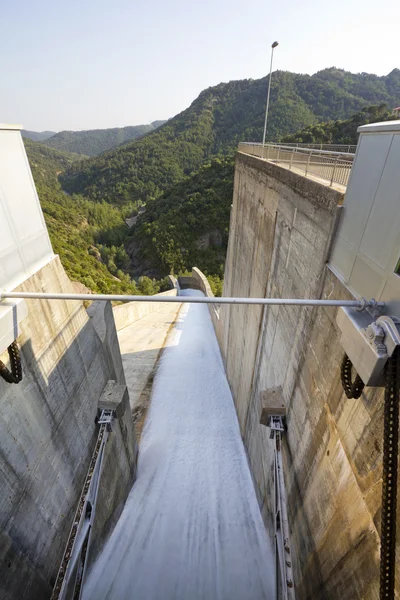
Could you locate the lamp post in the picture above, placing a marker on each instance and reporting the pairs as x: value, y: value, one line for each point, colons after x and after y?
x: 273, y: 46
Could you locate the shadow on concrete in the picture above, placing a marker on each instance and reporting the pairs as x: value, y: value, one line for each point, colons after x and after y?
x: 47, y: 436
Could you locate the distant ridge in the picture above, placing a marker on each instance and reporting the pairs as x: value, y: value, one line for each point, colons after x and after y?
x: 96, y: 141
x: 37, y: 136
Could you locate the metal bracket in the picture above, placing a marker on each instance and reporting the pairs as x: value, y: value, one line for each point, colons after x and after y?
x: 275, y: 423
x: 106, y: 418
x: 71, y: 574
x: 273, y: 416
x: 368, y: 342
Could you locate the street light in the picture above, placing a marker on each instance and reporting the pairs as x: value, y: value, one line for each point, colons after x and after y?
x: 273, y: 46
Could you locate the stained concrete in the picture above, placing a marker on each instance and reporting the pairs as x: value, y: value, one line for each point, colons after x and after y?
x: 141, y: 343
x: 281, y: 231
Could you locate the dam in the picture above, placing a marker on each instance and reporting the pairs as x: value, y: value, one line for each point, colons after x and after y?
x: 167, y: 449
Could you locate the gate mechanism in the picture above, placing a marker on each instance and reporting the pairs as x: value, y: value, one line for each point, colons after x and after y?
x: 372, y: 348
x: 273, y: 415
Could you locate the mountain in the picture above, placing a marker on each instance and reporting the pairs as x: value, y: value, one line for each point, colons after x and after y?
x: 37, y: 136
x: 87, y: 235
x: 217, y: 120
x: 188, y: 224
x: 341, y: 132
x: 95, y: 141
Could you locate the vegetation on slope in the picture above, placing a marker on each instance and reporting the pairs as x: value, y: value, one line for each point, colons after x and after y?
x: 188, y: 225
x: 95, y: 141
x: 167, y: 235
x: 217, y: 120
x: 87, y: 235
x: 183, y: 174
x: 341, y: 132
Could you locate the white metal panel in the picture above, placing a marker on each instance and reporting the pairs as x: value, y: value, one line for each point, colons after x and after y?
x: 366, y: 278
x: 382, y: 230
x: 11, y: 315
x: 360, y: 194
x: 17, y: 186
x: 367, y: 244
x: 24, y: 240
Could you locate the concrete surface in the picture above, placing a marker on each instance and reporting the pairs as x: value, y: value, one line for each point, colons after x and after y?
x: 141, y: 345
x: 47, y: 435
x: 281, y: 230
x: 129, y: 312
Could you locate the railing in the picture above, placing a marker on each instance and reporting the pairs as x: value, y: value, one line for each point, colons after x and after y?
x: 348, y: 148
x: 326, y: 164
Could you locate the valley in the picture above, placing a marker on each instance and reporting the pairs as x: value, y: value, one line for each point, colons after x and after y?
x: 175, y: 182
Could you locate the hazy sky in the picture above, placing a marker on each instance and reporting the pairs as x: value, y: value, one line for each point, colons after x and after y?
x: 83, y: 64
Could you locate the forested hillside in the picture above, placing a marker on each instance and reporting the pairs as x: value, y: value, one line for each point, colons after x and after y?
x: 217, y: 120
x: 95, y: 141
x: 341, y: 132
x: 188, y: 225
x: 87, y: 235
x: 183, y: 175
x: 168, y: 235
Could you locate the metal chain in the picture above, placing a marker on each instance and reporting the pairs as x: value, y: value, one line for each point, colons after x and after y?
x: 15, y: 375
x: 389, y: 477
x: 352, y: 389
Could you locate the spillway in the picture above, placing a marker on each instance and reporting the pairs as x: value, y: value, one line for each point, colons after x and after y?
x: 191, y: 527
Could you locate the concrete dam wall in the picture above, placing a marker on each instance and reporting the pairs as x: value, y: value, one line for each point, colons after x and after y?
x: 282, y: 226
x: 48, y: 433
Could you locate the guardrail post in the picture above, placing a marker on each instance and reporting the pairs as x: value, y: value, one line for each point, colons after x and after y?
x: 308, y: 162
x: 291, y: 158
x: 333, y: 171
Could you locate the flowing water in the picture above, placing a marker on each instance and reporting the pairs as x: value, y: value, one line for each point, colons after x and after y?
x: 191, y: 528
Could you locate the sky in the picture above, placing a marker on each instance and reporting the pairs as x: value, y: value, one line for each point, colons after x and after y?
x: 85, y: 64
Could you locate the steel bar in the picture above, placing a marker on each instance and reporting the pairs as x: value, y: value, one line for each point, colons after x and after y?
x: 362, y: 303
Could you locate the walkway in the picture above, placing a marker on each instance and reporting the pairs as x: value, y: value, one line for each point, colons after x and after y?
x: 191, y: 528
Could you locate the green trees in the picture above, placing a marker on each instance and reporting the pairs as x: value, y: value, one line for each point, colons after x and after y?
x: 216, y: 121
x: 188, y: 225
x: 80, y: 229
x: 95, y: 141
x: 182, y: 175
x: 341, y: 132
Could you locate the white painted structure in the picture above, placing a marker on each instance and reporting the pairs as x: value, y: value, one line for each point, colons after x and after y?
x: 366, y: 252
x: 24, y: 241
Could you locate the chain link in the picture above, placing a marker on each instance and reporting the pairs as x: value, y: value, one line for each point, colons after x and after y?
x: 352, y: 389
x: 15, y: 375
x: 389, y: 477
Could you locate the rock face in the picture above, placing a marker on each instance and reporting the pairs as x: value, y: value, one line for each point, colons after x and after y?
x: 281, y: 230
x: 141, y: 266
x: 211, y: 239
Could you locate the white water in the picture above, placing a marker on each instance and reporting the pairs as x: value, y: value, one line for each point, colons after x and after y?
x: 191, y: 528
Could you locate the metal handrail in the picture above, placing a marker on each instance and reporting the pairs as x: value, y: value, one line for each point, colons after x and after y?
x: 348, y: 148
x: 329, y: 165
x: 305, y: 149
